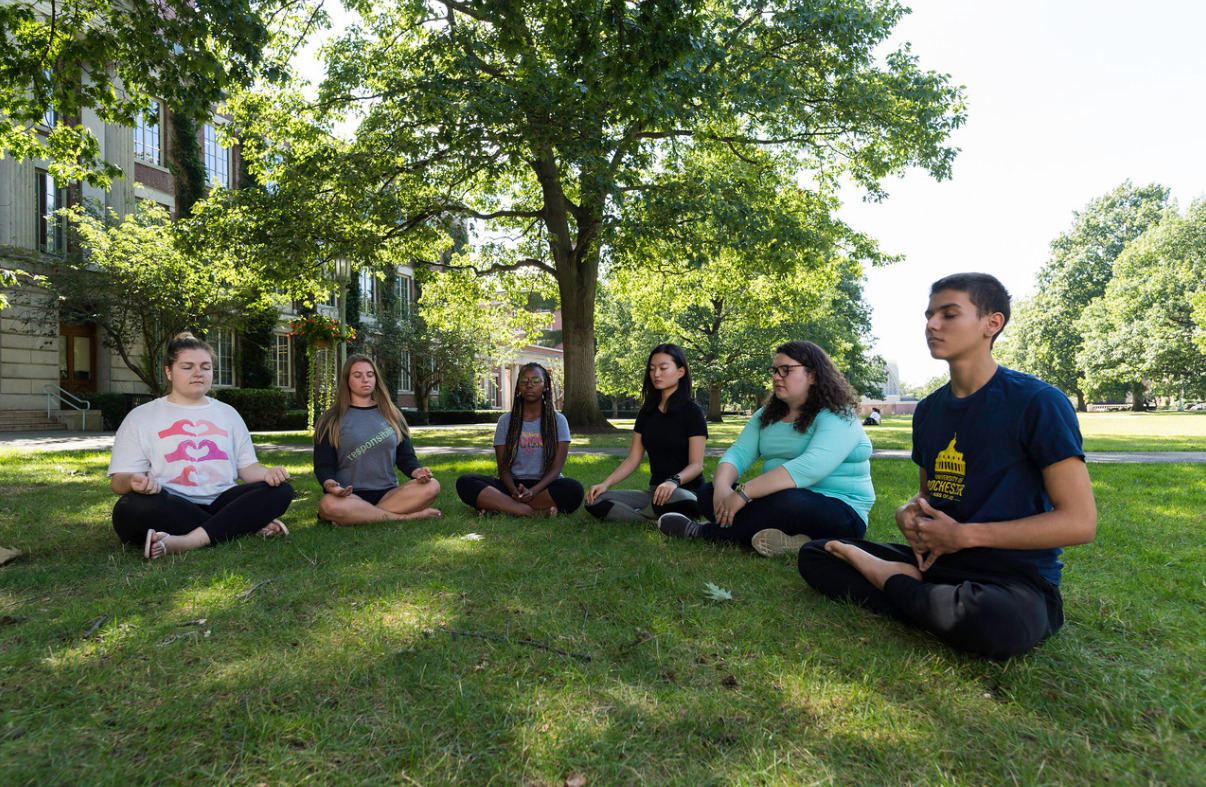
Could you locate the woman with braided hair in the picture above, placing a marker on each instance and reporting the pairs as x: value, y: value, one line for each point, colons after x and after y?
x: 531, y: 444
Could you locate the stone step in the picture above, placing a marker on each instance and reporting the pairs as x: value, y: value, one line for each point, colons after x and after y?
x: 42, y: 426
x: 27, y: 421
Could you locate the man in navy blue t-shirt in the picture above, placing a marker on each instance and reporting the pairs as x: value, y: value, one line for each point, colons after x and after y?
x: 1003, y: 488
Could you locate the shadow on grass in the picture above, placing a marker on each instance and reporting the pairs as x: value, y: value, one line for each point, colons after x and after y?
x: 332, y: 656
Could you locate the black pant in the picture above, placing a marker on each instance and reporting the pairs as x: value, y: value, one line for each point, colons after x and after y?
x: 972, y: 600
x: 566, y: 492
x: 242, y: 509
x: 794, y: 511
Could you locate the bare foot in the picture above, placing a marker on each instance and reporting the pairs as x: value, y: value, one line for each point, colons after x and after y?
x: 426, y: 513
x: 876, y: 570
x: 551, y: 511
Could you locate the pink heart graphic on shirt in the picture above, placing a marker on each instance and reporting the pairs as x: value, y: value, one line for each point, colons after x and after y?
x: 184, y: 478
x: 186, y: 428
x: 182, y: 452
x: 212, y: 452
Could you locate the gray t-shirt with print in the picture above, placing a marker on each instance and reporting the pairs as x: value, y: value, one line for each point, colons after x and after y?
x: 529, y: 458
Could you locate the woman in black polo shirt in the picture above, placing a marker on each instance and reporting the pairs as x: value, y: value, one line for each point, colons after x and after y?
x: 671, y: 427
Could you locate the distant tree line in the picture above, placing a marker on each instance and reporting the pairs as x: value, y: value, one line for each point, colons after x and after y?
x: 1120, y: 306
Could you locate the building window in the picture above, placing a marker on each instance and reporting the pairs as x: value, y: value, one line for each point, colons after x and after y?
x: 402, y: 285
x: 404, y: 381
x: 222, y: 340
x: 146, y: 135
x: 50, y: 198
x: 217, y: 158
x: 368, y: 292
x: 282, y: 361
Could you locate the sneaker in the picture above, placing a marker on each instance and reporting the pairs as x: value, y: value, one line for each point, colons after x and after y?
x: 776, y: 542
x: 678, y: 525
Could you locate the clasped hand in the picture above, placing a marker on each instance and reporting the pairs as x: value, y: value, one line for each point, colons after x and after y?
x: 727, y: 507
x: 929, y: 532
x: 144, y: 485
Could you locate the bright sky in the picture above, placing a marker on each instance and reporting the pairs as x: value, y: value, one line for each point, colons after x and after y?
x: 1067, y: 99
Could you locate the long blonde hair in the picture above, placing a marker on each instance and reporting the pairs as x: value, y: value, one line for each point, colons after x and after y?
x: 328, y: 423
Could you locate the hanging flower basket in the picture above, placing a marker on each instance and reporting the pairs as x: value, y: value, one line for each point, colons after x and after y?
x: 320, y: 331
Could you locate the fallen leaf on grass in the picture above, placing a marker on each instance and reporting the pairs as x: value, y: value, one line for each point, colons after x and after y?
x: 717, y: 593
x: 575, y: 779
x: 9, y: 554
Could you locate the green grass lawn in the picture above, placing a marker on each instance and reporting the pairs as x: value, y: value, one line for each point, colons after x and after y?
x: 1163, y: 431
x: 395, y: 654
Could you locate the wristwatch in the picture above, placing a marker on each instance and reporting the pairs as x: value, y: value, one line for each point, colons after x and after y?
x: 740, y: 489
x: 677, y: 479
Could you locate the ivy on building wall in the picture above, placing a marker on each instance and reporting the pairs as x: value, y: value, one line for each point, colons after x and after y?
x: 185, y: 163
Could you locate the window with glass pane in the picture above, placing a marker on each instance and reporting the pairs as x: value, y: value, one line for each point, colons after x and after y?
x: 368, y: 292
x: 404, y: 382
x: 282, y: 361
x: 217, y: 158
x: 50, y: 199
x: 403, y: 293
x: 222, y: 341
x: 146, y: 135
x: 50, y: 117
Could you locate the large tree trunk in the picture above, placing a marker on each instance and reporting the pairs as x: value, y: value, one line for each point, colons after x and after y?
x: 715, y: 405
x: 1137, y: 400
x: 576, y: 264
x: 1081, y: 405
x: 578, y: 334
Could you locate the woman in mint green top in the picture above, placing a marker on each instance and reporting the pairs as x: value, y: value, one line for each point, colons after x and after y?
x: 816, y: 471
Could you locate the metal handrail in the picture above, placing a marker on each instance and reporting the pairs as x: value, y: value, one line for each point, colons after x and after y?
x: 68, y: 398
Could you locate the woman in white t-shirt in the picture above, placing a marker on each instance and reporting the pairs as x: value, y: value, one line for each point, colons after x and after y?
x: 177, y: 463
x: 531, y: 444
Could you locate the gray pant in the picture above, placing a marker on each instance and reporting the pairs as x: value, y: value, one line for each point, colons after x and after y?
x: 636, y: 505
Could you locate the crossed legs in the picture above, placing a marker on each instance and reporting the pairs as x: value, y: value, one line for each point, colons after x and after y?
x: 411, y: 500
x: 973, y: 600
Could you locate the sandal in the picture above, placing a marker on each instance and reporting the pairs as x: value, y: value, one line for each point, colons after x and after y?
x: 148, y: 549
x: 268, y: 531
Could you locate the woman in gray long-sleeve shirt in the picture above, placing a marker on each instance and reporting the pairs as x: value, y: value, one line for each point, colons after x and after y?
x: 357, y: 445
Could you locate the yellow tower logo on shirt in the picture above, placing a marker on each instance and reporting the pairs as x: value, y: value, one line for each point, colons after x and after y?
x: 949, y: 470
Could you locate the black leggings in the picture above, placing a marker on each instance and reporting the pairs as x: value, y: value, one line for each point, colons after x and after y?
x: 242, y: 509
x: 973, y: 600
x: 566, y: 492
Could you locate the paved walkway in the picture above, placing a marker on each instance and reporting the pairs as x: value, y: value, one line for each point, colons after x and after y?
x: 103, y: 441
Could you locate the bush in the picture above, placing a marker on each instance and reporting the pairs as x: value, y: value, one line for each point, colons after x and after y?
x: 449, y: 417
x: 112, y: 406
x: 261, y: 408
x: 295, y: 420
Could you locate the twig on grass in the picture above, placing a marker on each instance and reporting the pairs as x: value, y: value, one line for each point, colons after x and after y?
x: 95, y: 625
x: 528, y: 642
x: 257, y: 587
x: 585, y: 614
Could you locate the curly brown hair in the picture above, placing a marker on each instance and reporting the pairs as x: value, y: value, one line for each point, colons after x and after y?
x: 830, y: 391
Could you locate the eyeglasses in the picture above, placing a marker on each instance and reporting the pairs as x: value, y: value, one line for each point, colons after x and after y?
x: 784, y: 370
x: 526, y: 381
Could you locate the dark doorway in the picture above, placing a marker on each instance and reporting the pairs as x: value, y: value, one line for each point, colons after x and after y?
x: 77, y: 358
